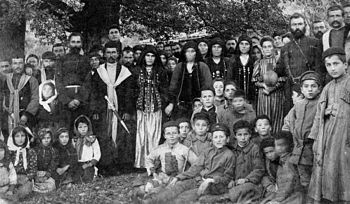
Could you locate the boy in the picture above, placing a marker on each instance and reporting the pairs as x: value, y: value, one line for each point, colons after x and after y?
x: 299, y: 122
x: 250, y: 166
x: 199, y: 138
x: 331, y: 133
x: 262, y: 128
x: 209, y: 176
x: 207, y: 99
x: 184, y: 125
x: 168, y: 159
x: 268, y: 181
x: 239, y: 110
x: 218, y: 85
x: 197, y: 104
x: 287, y: 178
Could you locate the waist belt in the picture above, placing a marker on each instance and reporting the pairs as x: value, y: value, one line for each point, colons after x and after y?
x: 75, y: 87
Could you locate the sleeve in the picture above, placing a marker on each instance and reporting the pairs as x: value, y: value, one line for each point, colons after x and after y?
x: 32, y: 164
x: 97, y: 152
x: 256, y: 78
x: 150, y: 161
x: 206, y: 79
x: 13, y: 174
x: 163, y: 87
x: 318, y: 117
x: 287, y: 184
x: 288, y: 120
x: 319, y: 66
x: 266, y: 181
x: 61, y: 86
x: 192, y: 157
x: 33, y: 105
x: 229, y: 170
x: 194, y: 170
x: 124, y: 94
x: 229, y: 67
x: 174, y: 83
x: 54, y: 163
x: 258, y: 167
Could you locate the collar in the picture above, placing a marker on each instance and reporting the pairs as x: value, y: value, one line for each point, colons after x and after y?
x: 341, y: 78
x: 211, y: 109
x: 194, y: 137
x: 217, y: 150
x: 245, y: 149
x: 172, y: 146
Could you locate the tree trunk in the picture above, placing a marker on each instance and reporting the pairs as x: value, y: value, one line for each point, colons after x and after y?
x: 12, y: 41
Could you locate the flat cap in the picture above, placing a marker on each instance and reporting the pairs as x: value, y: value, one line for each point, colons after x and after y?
x: 311, y: 75
x: 220, y: 127
x: 201, y: 116
x: 333, y: 51
x: 170, y: 124
x: 183, y: 120
x: 48, y: 55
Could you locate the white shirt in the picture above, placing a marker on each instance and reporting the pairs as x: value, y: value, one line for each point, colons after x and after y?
x: 91, y: 152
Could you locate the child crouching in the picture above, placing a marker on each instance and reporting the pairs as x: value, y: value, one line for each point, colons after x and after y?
x: 209, y: 175
x: 47, y: 160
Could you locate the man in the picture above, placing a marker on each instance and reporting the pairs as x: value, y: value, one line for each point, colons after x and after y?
x: 73, y: 68
x: 160, y: 46
x: 48, y: 70
x: 128, y: 57
x: 114, y: 36
x: 168, y: 50
x: 318, y: 29
x: 59, y: 50
x: 114, y: 81
x: 21, y: 96
x: 4, y: 68
x: 301, y: 54
x: 230, y: 47
x: 137, y: 49
x: 176, y: 50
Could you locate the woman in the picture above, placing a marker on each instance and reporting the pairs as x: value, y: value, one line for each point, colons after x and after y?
x: 152, y: 85
x: 243, y: 66
x: 189, y: 77
x: 203, y: 48
x: 270, y: 81
x: 256, y: 52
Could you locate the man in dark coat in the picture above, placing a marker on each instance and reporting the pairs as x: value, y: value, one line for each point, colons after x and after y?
x: 301, y: 54
x: 114, y: 81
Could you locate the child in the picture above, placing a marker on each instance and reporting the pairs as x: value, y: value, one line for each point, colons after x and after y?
x: 197, y: 105
x: 67, y: 158
x: 287, y: 177
x: 24, y: 159
x: 50, y: 113
x: 330, y: 132
x: 239, y: 110
x: 299, y: 122
x: 184, y: 125
x: 262, y: 128
x: 249, y: 166
x: 47, y: 159
x: 168, y: 159
x: 88, y: 149
x: 207, y: 99
x: 218, y: 85
x: 268, y: 181
x: 199, y: 139
x: 209, y: 176
x: 8, y: 176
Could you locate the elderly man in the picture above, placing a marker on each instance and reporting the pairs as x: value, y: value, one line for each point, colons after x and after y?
x: 301, y: 54
x: 21, y: 95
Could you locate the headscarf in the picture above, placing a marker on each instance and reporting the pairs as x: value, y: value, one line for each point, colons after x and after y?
x: 19, y: 149
x: 46, y: 103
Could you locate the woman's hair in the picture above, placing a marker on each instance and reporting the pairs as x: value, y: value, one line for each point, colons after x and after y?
x: 157, y: 65
x: 59, y: 132
x: 17, y: 130
x: 81, y: 120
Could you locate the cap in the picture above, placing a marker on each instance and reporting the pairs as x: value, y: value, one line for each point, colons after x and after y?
x: 201, y: 116
x: 333, y: 51
x: 311, y: 75
x: 183, y: 120
x: 220, y: 127
x: 48, y: 55
x: 170, y: 124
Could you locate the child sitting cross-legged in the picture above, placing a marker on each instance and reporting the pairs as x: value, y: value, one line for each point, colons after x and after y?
x: 245, y: 187
x: 199, y: 138
x: 287, y: 179
x: 88, y: 149
x: 47, y: 159
x: 209, y: 175
x: 167, y: 160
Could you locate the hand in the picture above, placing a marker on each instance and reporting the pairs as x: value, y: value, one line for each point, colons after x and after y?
x: 173, y: 182
x: 271, y: 188
x: 76, y: 102
x: 23, y: 119
x: 72, y: 105
x: 241, y: 181
x: 126, y: 117
x: 60, y: 171
x: 204, y: 186
x: 169, y: 109
x: 231, y: 184
x: 86, y: 165
x: 95, y: 116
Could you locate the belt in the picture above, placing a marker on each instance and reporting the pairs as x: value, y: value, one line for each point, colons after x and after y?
x: 75, y: 87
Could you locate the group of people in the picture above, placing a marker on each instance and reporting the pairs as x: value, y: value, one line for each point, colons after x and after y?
x: 248, y: 119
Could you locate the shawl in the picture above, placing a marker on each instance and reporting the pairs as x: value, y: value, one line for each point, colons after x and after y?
x: 12, y: 147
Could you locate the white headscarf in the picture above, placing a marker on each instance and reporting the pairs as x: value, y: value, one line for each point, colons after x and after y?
x: 12, y: 147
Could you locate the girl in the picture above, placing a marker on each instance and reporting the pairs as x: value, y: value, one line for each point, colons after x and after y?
x: 163, y: 58
x: 243, y: 66
x: 256, y: 52
x: 67, y: 158
x: 8, y: 176
x: 50, y: 113
x: 24, y: 160
x: 152, y: 86
x: 189, y: 77
x: 269, y: 80
x: 47, y: 162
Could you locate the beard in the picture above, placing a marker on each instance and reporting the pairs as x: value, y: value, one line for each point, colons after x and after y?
x: 336, y: 24
x: 319, y: 35
x: 177, y: 54
x: 111, y: 60
x: 75, y: 50
x: 231, y: 50
x: 298, y: 33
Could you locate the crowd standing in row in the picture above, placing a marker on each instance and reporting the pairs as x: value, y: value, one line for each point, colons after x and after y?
x: 243, y: 120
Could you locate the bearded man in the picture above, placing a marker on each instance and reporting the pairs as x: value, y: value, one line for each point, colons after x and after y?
x: 318, y: 28
x: 301, y: 54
